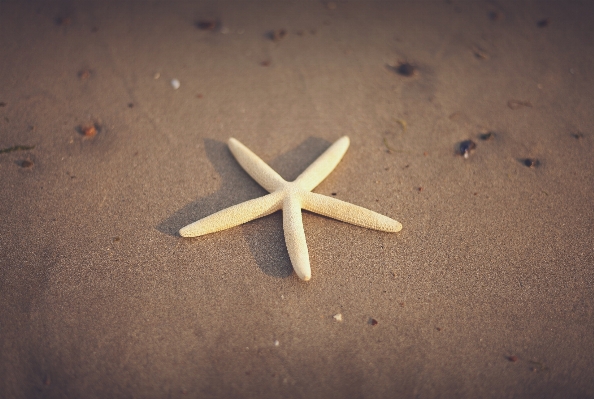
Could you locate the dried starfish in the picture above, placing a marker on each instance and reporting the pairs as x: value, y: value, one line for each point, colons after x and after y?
x: 291, y: 197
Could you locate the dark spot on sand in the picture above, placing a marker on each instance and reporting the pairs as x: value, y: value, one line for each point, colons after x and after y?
x: 530, y: 162
x: 84, y: 74
x: 17, y: 148
x: 26, y: 164
x: 63, y: 21
x: 495, y: 15
x: 277, y: 34
x: 333, y: 193
x: 512, y: 358
x: 543, y: 23
x: 487, y: 136
x: 2, y: 104
x: 578, y: 135
x: 420, y: 189
x: 373, y: 322
x: 438, y: 328
x: 405, y: 69
x: 265, y: 63
x: 207, y: 24
x: 130, y: 105
x: 466, y: 146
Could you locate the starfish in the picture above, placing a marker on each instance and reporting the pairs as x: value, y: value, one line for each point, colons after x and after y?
x: 291, y: 197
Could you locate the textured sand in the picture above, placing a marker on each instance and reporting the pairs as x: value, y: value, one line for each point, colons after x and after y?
x: 486, y: 292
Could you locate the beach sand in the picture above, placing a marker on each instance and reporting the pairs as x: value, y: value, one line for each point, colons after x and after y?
x: 486, y: 292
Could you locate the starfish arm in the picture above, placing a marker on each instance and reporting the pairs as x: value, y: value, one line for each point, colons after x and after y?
x: 255, y: 167
x: 321, y: 168
x: 349, y: 213
x: 234, y: 215
x: 295, y: 237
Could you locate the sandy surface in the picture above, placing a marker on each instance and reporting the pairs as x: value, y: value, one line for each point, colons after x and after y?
x: 486, y: 292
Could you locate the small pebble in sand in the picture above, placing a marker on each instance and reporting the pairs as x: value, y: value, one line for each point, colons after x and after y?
x: 276, y: 343
x: 2, y: 104
x: 512, y: 358
x: 337, y: 317
x: 88, y: 130
x: 157, y: 75
x: 175, y: 84
x: 531, y: 163
x: 466, y: 146
x: 543, y: 23
x: 373, y: 322
x: 26, y: 164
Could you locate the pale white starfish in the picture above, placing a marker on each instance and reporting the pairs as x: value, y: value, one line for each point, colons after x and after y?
x: 291, y: 197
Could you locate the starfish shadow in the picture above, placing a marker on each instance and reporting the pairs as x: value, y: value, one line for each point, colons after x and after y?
x: 264, y: 236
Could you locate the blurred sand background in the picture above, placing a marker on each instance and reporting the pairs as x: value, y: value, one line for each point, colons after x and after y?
x: 486, y: 292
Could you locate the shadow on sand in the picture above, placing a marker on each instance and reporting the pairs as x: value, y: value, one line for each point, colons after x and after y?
x: 264, y: 236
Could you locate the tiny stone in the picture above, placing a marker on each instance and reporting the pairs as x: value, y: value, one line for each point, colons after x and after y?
x: 338, y: 317
x: 175, y: 84
x: 530, y: 162
x: 157, y: 75
x: 276, y: 343
x: 89, y: 130
x: 26, y: 164
x: 513, y: 358
x: 373, y: 322
x: 466, y: 146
